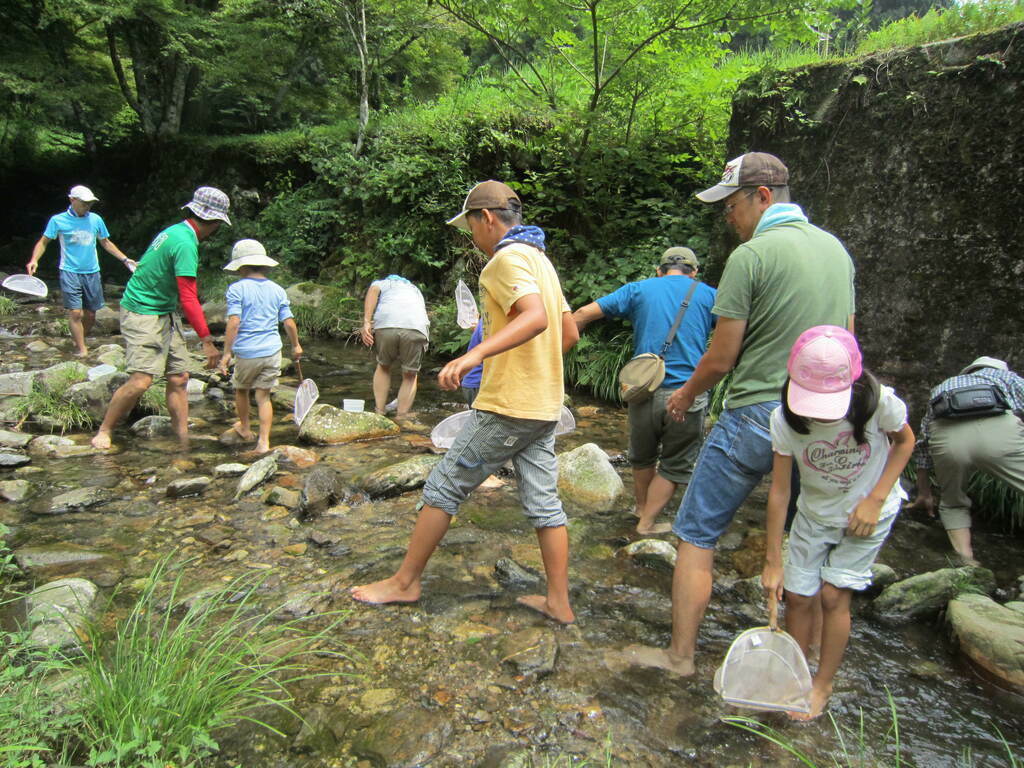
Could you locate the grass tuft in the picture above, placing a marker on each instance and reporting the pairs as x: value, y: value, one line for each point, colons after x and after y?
x: 7, y: 306
x: 51, y: 404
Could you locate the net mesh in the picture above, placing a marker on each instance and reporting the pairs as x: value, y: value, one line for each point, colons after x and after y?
x: 765, y: 669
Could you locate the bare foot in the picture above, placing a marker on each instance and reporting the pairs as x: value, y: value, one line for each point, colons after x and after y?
x: 253, y: 453
x: 101, y: 441
x: 819, y: 700
x: 262, y: 448
x: 658, y: 658
x: 539, y: 603
x: 654, y: 530
x: 82, y: 353
x: 386, y: 591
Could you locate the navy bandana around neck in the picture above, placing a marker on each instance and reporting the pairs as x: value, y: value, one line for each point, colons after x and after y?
x: 523, y: 234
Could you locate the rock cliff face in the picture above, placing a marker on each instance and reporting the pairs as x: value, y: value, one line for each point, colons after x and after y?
x: 915, y: 160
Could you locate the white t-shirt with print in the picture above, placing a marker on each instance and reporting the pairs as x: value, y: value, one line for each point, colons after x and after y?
x: 836, y: 472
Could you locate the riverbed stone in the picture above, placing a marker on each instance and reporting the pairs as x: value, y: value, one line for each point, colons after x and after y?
x: 652, y: 553
x: 108, y: 322
x: 50, y: 561
x: 14, y: 439
x: 283, y: 497
x: 229, y: 470
x: 94, y: 396
x: 152, y: 426
x: 46, y: 445
x: 321, y: 489
x: 511, y: 574
x: 38, y: 346
x: 78, y: 500
x: 57, y: 612
x: 306, y: 294
x: 587, y: 479
x: 406, y: 738
x: 188, y: 486
x: 19, y: 383
x: 70, y: 371
x: 327, y: 425
x: 284, y: 397
x: 257, y: 473
x: 15, y: 490
x: 398, y: 478
x: 300, y: 458
x: 530, y: 651
x: 927, y: 593
x: 991, y: 635
x: 882, y: 576
x: 13, y: 458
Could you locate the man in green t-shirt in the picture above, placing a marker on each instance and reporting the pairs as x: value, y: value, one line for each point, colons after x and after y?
x: 785, y: 277
x: 150, y: 324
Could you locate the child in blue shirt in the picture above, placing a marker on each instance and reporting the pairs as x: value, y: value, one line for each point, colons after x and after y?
x: 255, y: 307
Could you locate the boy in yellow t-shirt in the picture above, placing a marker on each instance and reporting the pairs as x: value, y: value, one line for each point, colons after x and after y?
x: 528, y: 326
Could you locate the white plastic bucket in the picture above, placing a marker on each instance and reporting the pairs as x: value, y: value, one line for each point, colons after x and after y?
x: 100, y: 370
x: 355, y: 406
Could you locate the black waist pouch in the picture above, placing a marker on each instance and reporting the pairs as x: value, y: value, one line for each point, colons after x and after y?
x: 970, y: 402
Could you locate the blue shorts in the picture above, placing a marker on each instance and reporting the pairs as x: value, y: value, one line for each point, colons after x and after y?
x: 81, y: 291
x: 735, y: 457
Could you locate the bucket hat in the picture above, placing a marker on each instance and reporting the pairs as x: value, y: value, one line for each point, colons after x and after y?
x: 249, y: 253
x: 210, y: 203
x: 985, y: 362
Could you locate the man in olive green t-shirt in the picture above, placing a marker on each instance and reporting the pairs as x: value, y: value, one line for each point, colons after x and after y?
x: 154, y: 343
x: 785, y: 277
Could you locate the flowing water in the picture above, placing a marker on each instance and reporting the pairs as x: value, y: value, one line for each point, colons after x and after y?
x: 430, y: 684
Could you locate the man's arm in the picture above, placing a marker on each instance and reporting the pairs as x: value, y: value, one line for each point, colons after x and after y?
x: 369, y: 307
x: 720, y: 358
x: 189, y: 297
x: 570, y: 331
x: 531, y: 319
x: 584, y: 316
x: 37, y: 253
x: 116, y: 252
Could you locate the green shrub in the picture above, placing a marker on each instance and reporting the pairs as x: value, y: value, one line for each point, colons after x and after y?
x: 997, y: 500
x: 447, y: 339
x: 943, y: 23
x: 52, y: 404
x: 7, y: 306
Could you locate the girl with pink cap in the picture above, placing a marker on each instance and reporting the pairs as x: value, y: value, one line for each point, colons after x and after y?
x: 850, y: 440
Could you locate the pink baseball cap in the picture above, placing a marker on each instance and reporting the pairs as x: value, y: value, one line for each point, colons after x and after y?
x: 823, y: 364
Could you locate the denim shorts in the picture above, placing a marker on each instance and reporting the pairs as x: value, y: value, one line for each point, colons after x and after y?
x: 482, y: 447
x: 735, y: 457
x: 81, y: 291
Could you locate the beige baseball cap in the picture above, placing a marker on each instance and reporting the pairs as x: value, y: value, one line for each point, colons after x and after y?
x: 754, y: 169
x: 492, y: 195
x: 678, y: 256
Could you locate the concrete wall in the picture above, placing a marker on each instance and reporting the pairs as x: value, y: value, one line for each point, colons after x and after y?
x: 915, y: 160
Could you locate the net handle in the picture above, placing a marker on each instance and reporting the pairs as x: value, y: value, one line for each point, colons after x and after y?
x: 298, y: 366
x: 773, y: 611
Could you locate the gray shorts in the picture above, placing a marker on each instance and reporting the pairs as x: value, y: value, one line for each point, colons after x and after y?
x: 401, y: 345
x: 482, y: 447
x: 656, y: 439
x: 154, y: 344
x: 820, y: 553
x: 257, y: 372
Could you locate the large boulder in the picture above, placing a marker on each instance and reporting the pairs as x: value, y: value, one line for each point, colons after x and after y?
x: 327, y: 425
x: 587, y: 479
x: 108, y: 322
x: 306, y: 294
x: 94, y: 396
x: 19, y: 383
x: 399, y: 478
x: 68, y: 372
x: 928, y: 593
x: 216, y: 311
x: 991, y: 635
x: 58, y: 611
x: 14, y: 439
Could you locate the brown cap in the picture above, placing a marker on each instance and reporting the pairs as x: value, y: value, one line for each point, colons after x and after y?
x: 677, y: 257
x: 492, y: 195
x: 754, y: 169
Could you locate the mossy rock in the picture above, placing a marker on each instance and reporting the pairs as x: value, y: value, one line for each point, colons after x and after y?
x: 926, y: 594
x: 588, y: 481
x: 328, y: 425
x: 399, y: 478
x: 991, y: 635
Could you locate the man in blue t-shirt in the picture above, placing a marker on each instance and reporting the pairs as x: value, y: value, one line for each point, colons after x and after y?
x: 662, y: 451
x: 78, y: 230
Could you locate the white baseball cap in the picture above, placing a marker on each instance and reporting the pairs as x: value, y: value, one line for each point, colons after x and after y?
x: 83, y: 193
x: 249, y: 253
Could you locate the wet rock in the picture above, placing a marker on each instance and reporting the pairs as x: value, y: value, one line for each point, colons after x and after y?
x: 216, y: 311
x: 530, y: 651
x: 66, y: 559
x: 321, y: 489
x: 57, y: 447
x: 57, y: 612
x: 284, y: 497
x: 991, y: 635
x: 257, y: 473
x: 1015, y: 605
x: 327, y: 425
x: 38, y: 346
x: 275, y: 513
x: 77, y: 500
x: 587, y: 479
x: 13, y: 459
x: 652, y: 553
x: 111, y: 354
x: 152, y: 426
x: 229, y: 470
x: 215, y: 535
x: 70, y: 371
x: 188, y: 486
x: 15, y: 490
x: 511, y: 574
x: 406, y: 738
x: 730, y: 541
x: 16, y: 383
x: 284, y: 397
x: 928, y: 593
x: 296, y: 457
x: 108, y: 322
x: 322, y: 538
x: 306, y: 294
x: 94, y: 396
x: 881, y: 577
x: 316, y: 734
x: 398, y: 478
x: 14, y: 439
x: 198, y: 518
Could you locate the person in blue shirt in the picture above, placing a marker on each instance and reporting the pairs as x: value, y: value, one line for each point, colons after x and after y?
x: 662, y: 451
x: 78, y: 230
x: 470, y: 383
x: 255, y: 307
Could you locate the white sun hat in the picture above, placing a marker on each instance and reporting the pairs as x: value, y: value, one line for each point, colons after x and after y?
x: 249, y: 253
x: 83, y: 193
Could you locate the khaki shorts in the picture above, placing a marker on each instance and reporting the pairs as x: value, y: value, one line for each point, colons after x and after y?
x: 257, y: 372
x: 656, y: 439
x: 402, y: 345
x: 153, y: 344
